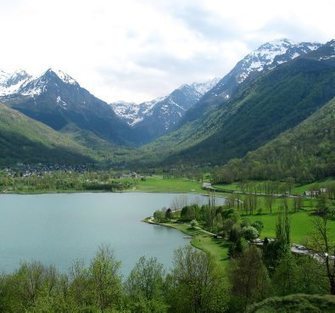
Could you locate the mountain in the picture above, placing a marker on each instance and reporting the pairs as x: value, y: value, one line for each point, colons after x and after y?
x: 23, y: 139
x: 132, y: 112
x: 11, y: 83
x: 58, y: 101
x: 155, y: 118
x: 258, y: 111
x: 267, y: 57
x: 306, y: 153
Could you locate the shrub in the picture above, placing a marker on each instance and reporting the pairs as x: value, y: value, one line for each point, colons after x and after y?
x: 250, y: 233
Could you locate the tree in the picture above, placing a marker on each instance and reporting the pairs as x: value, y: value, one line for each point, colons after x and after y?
x: 249, y: 279
x: 168, y: 214
x: 283, y: 229
x: 321, y: 240
x: 269, y: 202
x: 179, y: 202
x: 275, y: 250
x: 105, y: 279
x: 80, y: 290
x: 298, y: 203
x: 314, y: 280
x: 322, y: 205
x: 196, y: 285
x: 258, y: 225
x: 250, y: 232
x: 159, y: 216
x: 286, y: 275
x: 188, y: 213
x: 145, y: 287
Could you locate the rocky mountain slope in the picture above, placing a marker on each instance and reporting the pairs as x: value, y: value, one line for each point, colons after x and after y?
x: 258, y: 111
x: 155, y: 118
x: 58, y: 101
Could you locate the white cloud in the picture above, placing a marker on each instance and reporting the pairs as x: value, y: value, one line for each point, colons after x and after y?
x: 140, y: 49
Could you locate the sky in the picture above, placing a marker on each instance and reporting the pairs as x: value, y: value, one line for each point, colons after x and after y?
x: 136, y: 50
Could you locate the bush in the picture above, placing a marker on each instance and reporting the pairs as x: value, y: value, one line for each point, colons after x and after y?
x: 194, y: 223
x: 250, y: 233
x: 258, y: 225
x: 159, y: 216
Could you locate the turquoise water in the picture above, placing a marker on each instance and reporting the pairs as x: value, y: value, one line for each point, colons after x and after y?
x: 60, y: 228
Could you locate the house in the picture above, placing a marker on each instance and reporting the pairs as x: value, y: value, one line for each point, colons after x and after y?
x: 207, y: 186
x: 315, y: 193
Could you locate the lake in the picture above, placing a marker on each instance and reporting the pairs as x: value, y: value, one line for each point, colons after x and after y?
x: 60, y: 228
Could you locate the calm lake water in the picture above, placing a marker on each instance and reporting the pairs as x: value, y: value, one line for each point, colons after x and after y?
x: 60, y: 228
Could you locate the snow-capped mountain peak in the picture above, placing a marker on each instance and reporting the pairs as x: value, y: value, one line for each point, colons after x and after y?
x: 168, y: 109
x: 133, y: 113
x: 271, y: 54
x: 20, y: 82
x: 204, y: 87
x: 11, y: 83
x: 67, y: 79
x: 266, y: 57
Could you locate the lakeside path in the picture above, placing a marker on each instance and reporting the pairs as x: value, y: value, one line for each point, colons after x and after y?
x: 200, y: 239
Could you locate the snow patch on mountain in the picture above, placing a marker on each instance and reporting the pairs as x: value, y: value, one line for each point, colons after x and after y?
x: 67, y: 79
x: 271, y: 54
x: 20, y: 82
x: 10, y: 83
x: 133, y: 113
x: 167, y: 108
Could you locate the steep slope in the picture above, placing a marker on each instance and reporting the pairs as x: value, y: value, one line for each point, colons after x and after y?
x: 258, y: 112
x: 267, y: 57
x: 11, y: 83
x: 306, y: 153
x: 25, y: 140
x: 131, y: 112
x: 58, y: 101
x: 155, y: 118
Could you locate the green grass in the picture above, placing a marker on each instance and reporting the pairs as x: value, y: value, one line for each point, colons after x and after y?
x: 230, y: 187
x: 297, y: 190
x: 217, y: 248
x: 160, y: 184
x: 301, y: 226
x: 300, y: 189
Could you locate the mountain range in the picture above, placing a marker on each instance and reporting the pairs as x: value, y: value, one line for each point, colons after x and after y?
x: 155, y: 118
x: 270, y: 91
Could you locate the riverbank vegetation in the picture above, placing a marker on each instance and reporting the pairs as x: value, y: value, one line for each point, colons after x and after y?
x: 62, y: 181
x: 257, y: 269
x: 194, y: 284
x: 246, y: 239
x: 92, y: 180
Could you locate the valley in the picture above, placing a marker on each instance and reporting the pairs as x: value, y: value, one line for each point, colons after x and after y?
x: 242, y: 166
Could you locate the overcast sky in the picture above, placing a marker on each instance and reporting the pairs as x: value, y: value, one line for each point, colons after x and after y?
x: 136, y: 50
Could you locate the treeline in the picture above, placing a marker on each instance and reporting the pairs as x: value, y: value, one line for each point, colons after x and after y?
x: 64, y: 181
x: 193, y: 285
x: 261, y: 269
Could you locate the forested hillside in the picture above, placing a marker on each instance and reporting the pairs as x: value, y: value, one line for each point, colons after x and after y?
x: 21, y: 137
x: 306, y: 153
x: 259, y: 112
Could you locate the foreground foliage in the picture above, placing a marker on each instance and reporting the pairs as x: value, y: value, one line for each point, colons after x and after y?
x: 297, y: 303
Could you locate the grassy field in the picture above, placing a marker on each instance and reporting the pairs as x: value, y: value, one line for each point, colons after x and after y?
x: 297, y: 189
x: 160, y: 184
x: 301, y: 226
x: 217, y: 248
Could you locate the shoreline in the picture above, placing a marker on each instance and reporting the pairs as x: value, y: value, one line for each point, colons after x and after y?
x: 199, y: 239
x: 221, y: 195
